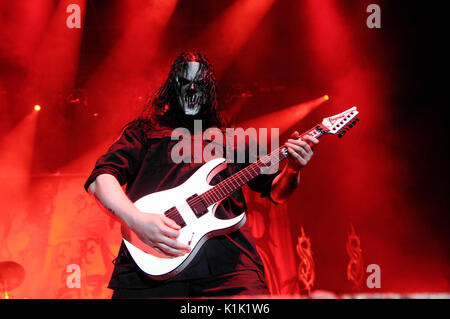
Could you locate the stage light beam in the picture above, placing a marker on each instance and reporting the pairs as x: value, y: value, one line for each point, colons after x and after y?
x: 224, y: 38
x: 285, y: 118
x: 125, y: 71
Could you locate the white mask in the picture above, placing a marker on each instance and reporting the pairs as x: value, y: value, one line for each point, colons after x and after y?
x: 190, y: 95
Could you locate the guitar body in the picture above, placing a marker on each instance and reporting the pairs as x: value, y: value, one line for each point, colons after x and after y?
x: 196, y: 231
x: 192, y: 204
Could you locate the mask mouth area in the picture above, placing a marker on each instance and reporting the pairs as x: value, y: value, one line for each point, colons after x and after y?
x: 191, y: 104
x: 191, y: 101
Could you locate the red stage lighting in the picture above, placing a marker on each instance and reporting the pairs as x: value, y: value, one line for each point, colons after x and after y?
x: 37, y: 107
x: 225, y: 37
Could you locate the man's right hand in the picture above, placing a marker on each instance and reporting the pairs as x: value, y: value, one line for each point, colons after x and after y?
x: 157, y: 231
x: 160, y: 233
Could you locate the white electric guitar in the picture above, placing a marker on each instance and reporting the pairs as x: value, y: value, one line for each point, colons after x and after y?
x: 192, y: 204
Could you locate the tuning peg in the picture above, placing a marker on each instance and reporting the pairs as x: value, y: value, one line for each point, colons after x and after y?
x: 353, y: 123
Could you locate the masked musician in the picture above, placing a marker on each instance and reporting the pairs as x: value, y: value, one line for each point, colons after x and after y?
x: 225, y: 265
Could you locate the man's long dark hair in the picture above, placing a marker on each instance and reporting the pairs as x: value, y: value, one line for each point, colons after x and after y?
x: 163, y: 109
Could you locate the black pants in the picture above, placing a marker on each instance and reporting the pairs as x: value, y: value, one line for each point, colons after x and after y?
x: 243, y: 283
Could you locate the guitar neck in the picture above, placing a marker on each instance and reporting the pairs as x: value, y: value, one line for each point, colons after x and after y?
x: 239, y: 179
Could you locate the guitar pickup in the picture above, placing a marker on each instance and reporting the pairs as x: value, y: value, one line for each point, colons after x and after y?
x: 197, y: 205
x: 175, y: 215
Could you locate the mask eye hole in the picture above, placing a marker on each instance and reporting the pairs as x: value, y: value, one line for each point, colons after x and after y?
x: 183, y: 81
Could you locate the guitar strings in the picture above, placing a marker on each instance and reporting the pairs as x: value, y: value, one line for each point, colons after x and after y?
x: 229, y: 182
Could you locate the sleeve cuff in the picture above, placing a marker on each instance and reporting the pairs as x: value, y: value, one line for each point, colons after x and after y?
x: 267, y: 193
x: 269, y: 196
x: 100, y: 171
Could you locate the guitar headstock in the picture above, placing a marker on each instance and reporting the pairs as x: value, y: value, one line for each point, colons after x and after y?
x: 341, y: 123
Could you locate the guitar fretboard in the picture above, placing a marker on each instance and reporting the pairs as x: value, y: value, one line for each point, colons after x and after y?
x: 262, y: 166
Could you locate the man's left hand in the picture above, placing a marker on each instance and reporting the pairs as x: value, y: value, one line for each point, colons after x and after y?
x: 301, y: 151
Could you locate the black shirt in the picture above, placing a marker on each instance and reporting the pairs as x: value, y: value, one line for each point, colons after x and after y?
x: 142, y: 160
